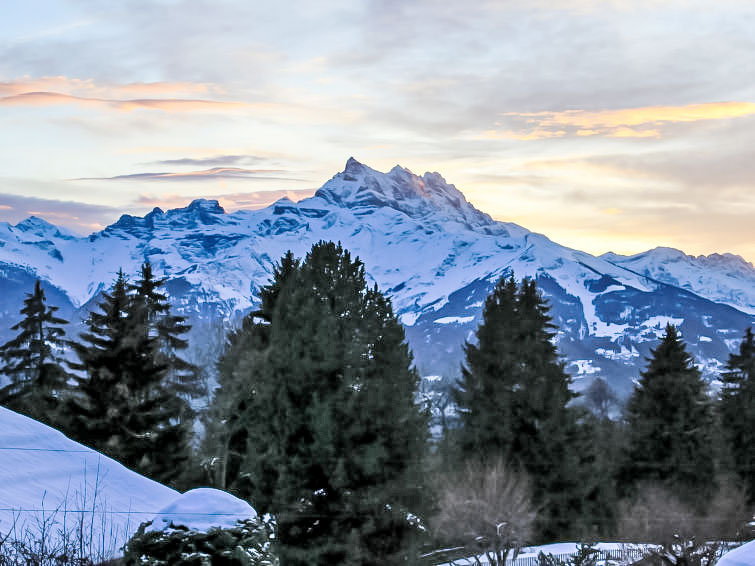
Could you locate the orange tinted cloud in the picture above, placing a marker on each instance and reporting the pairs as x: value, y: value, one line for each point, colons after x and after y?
x: 232, y: 201
x: 164, y: 104
x: 641, y: 122
x: 89, y: 89
x: 165, y: 96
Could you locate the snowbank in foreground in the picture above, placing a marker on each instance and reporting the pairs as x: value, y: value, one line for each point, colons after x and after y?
x: 202, y: 509
x: 741, y: 556
x: 46, y: 476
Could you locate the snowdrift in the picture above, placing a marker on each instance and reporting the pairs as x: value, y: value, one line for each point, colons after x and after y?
x: 48, y: 480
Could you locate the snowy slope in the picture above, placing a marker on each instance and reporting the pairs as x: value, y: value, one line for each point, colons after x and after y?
x: 723, y: 278
x: 45, y: 474
x: 427, y: 247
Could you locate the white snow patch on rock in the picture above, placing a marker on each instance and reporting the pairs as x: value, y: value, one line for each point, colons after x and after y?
x: 454, y: 320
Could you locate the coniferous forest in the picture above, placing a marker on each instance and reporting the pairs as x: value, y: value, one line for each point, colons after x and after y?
x: 319, y: 422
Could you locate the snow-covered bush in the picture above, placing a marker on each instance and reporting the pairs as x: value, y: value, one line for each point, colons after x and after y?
x: 249, y: 543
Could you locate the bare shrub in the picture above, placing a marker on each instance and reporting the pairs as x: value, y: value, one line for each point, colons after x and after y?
x: 487, y: 510
x: 81, y: 534
x: 656, y: 515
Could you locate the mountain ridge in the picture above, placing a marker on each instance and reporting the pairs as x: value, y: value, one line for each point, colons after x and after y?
x: 427, y: 247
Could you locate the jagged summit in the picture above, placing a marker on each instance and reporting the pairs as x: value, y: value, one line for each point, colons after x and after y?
x: 428, y: 198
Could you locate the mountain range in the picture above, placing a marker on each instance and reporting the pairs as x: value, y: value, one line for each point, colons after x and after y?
x: 425, y: 245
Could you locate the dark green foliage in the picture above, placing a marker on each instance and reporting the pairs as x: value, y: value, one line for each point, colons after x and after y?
x: 125, y: 404
x: 513, y: 399
x: 324, y: 430
x: 670, y: 425
x: 100, y: 405
x: 247, y: 544
x: 33, y: 361
x: 183, y: 378
x: 737, y: 408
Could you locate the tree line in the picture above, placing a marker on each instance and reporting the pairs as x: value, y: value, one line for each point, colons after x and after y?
x: 316, y: 419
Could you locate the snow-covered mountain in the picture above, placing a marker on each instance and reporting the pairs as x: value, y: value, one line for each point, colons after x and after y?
x: 427, y: 247
x: 723, y: 278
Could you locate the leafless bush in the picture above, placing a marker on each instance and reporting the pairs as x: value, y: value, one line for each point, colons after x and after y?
x: 656, y: 515
x: 487, y: 509
x: 81, y: 535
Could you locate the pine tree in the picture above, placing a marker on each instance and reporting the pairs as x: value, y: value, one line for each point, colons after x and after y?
x: 737, y: 407
x: 513, y: 399
x: 33, y: 361
x: 100, y: 404
x: 332, y: 437
x: 124, y: 405
x: 670, y: 425
x: 170, y: 329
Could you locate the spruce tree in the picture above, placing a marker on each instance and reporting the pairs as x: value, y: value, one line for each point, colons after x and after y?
x: 737, y: 408
x: 333, y: 438
x: 33, y: 361
x: 170, y: 329
x: 670, y: 425
x: 99, y: 405
x: 123, y: 404
x: 513, y: 399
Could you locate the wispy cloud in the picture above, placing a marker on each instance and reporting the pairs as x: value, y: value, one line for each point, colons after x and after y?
x: 643, y: 122
x: 230, y: 201
x: 88, y: 88
x: 214, y: 161
x: 203, y: 175
x: 76, y: 215
x: 125, y: 105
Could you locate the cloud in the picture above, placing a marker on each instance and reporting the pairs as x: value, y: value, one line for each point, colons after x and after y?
x: 203, y: 175
x: 91, y: 89
x: 79, y: 216
x: 126, y: 105
x: 640, y: 122
x: 230, y: 201
x: 214, y: 161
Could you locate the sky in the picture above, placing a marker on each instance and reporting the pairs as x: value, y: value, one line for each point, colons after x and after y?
x: 607, y: 126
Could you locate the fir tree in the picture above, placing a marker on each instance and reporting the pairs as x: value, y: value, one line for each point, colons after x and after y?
x: 737, y: 409
x: 33, y: 361
x: 333, y: 438
x: 100, y: 405
x: 124, y: 405
x: 170, y: 329
x: 513, y: 398
x: 669, y: 425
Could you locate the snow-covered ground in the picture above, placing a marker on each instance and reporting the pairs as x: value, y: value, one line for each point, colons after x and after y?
x: 741, y: 556
x: 48, y: 478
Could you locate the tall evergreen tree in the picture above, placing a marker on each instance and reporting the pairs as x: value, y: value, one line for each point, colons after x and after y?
x: 33, y: 361
x: 170, y: 329
x: 670, y: 425
x: 737, y: 408
x: 100, y: 405
x: 332, y: 436
x: 513, y: 397
x: 123, y: 404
